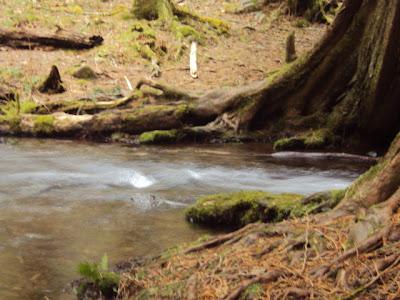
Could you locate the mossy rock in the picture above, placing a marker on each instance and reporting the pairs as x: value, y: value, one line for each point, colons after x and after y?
x: 292, y: 143
x: 85, y: 72
x: 233, y: 210
x: 241, y: 208
x: 323, y: 201
x: 159, y: 137
x: 314, y: 140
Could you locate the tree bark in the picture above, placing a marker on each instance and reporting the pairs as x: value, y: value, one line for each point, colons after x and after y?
x: 153, y: 9
x: 349, y: 83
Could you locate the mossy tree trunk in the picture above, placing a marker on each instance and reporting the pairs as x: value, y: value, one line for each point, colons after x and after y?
x: 349, y: 83
x: 153, y: 9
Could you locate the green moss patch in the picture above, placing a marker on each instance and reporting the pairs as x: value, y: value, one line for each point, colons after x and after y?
x: 10, y: 113
x: 323, y: 201
x: 235, y: 210
x: 292, y: 143
x: 239, y: 209
x: 317, y: 139
x: 44, y: 124
x: 254, y: 291
x: 159, y: 137
x: 85, y: 72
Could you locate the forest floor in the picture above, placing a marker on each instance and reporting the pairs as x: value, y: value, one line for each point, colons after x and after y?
x: 296, y: 259
x: 253, y: 48
x: 308, y: 258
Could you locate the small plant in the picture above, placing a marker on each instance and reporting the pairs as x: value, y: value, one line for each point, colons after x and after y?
x: 302, y: 23
x: 98, y: 277
x: 10, y: 112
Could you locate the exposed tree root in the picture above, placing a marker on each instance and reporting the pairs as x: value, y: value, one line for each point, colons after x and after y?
x: 169, y: 92
x: 263, y: 278
x: 365, y: 287
x: 222, y: 239
x: 314, y: 11
x: 85, y: 106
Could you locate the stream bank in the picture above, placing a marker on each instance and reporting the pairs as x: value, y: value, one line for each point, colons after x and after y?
x: 64, y: 202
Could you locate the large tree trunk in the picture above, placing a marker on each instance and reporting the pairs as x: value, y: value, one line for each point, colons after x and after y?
x: 349, y: 85
x: 153, y: 9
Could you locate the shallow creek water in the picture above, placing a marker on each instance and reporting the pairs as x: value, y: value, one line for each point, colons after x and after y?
x: 63, y: 202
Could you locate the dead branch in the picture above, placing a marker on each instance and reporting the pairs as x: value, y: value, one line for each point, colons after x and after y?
x: 368, y: 244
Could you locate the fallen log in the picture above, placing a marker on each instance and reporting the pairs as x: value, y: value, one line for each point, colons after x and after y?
x: 61, y: 40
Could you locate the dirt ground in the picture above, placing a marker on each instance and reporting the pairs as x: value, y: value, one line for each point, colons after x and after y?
x: 254, y: 47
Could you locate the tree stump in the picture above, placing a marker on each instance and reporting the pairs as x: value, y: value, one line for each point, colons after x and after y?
x: 53, y: 83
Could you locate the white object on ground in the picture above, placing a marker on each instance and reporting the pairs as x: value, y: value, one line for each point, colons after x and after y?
x: 193, y: 60
x: 129, y: 84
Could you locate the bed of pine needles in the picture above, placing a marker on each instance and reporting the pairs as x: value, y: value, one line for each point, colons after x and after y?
x: 297, y: 259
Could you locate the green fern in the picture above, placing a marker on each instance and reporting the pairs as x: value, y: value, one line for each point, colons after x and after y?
x: 100, y: 276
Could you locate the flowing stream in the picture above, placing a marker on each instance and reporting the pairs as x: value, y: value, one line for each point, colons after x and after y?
x: 63, y: 202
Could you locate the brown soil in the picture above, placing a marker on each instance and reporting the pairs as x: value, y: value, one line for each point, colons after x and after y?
x: 252, y: 50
